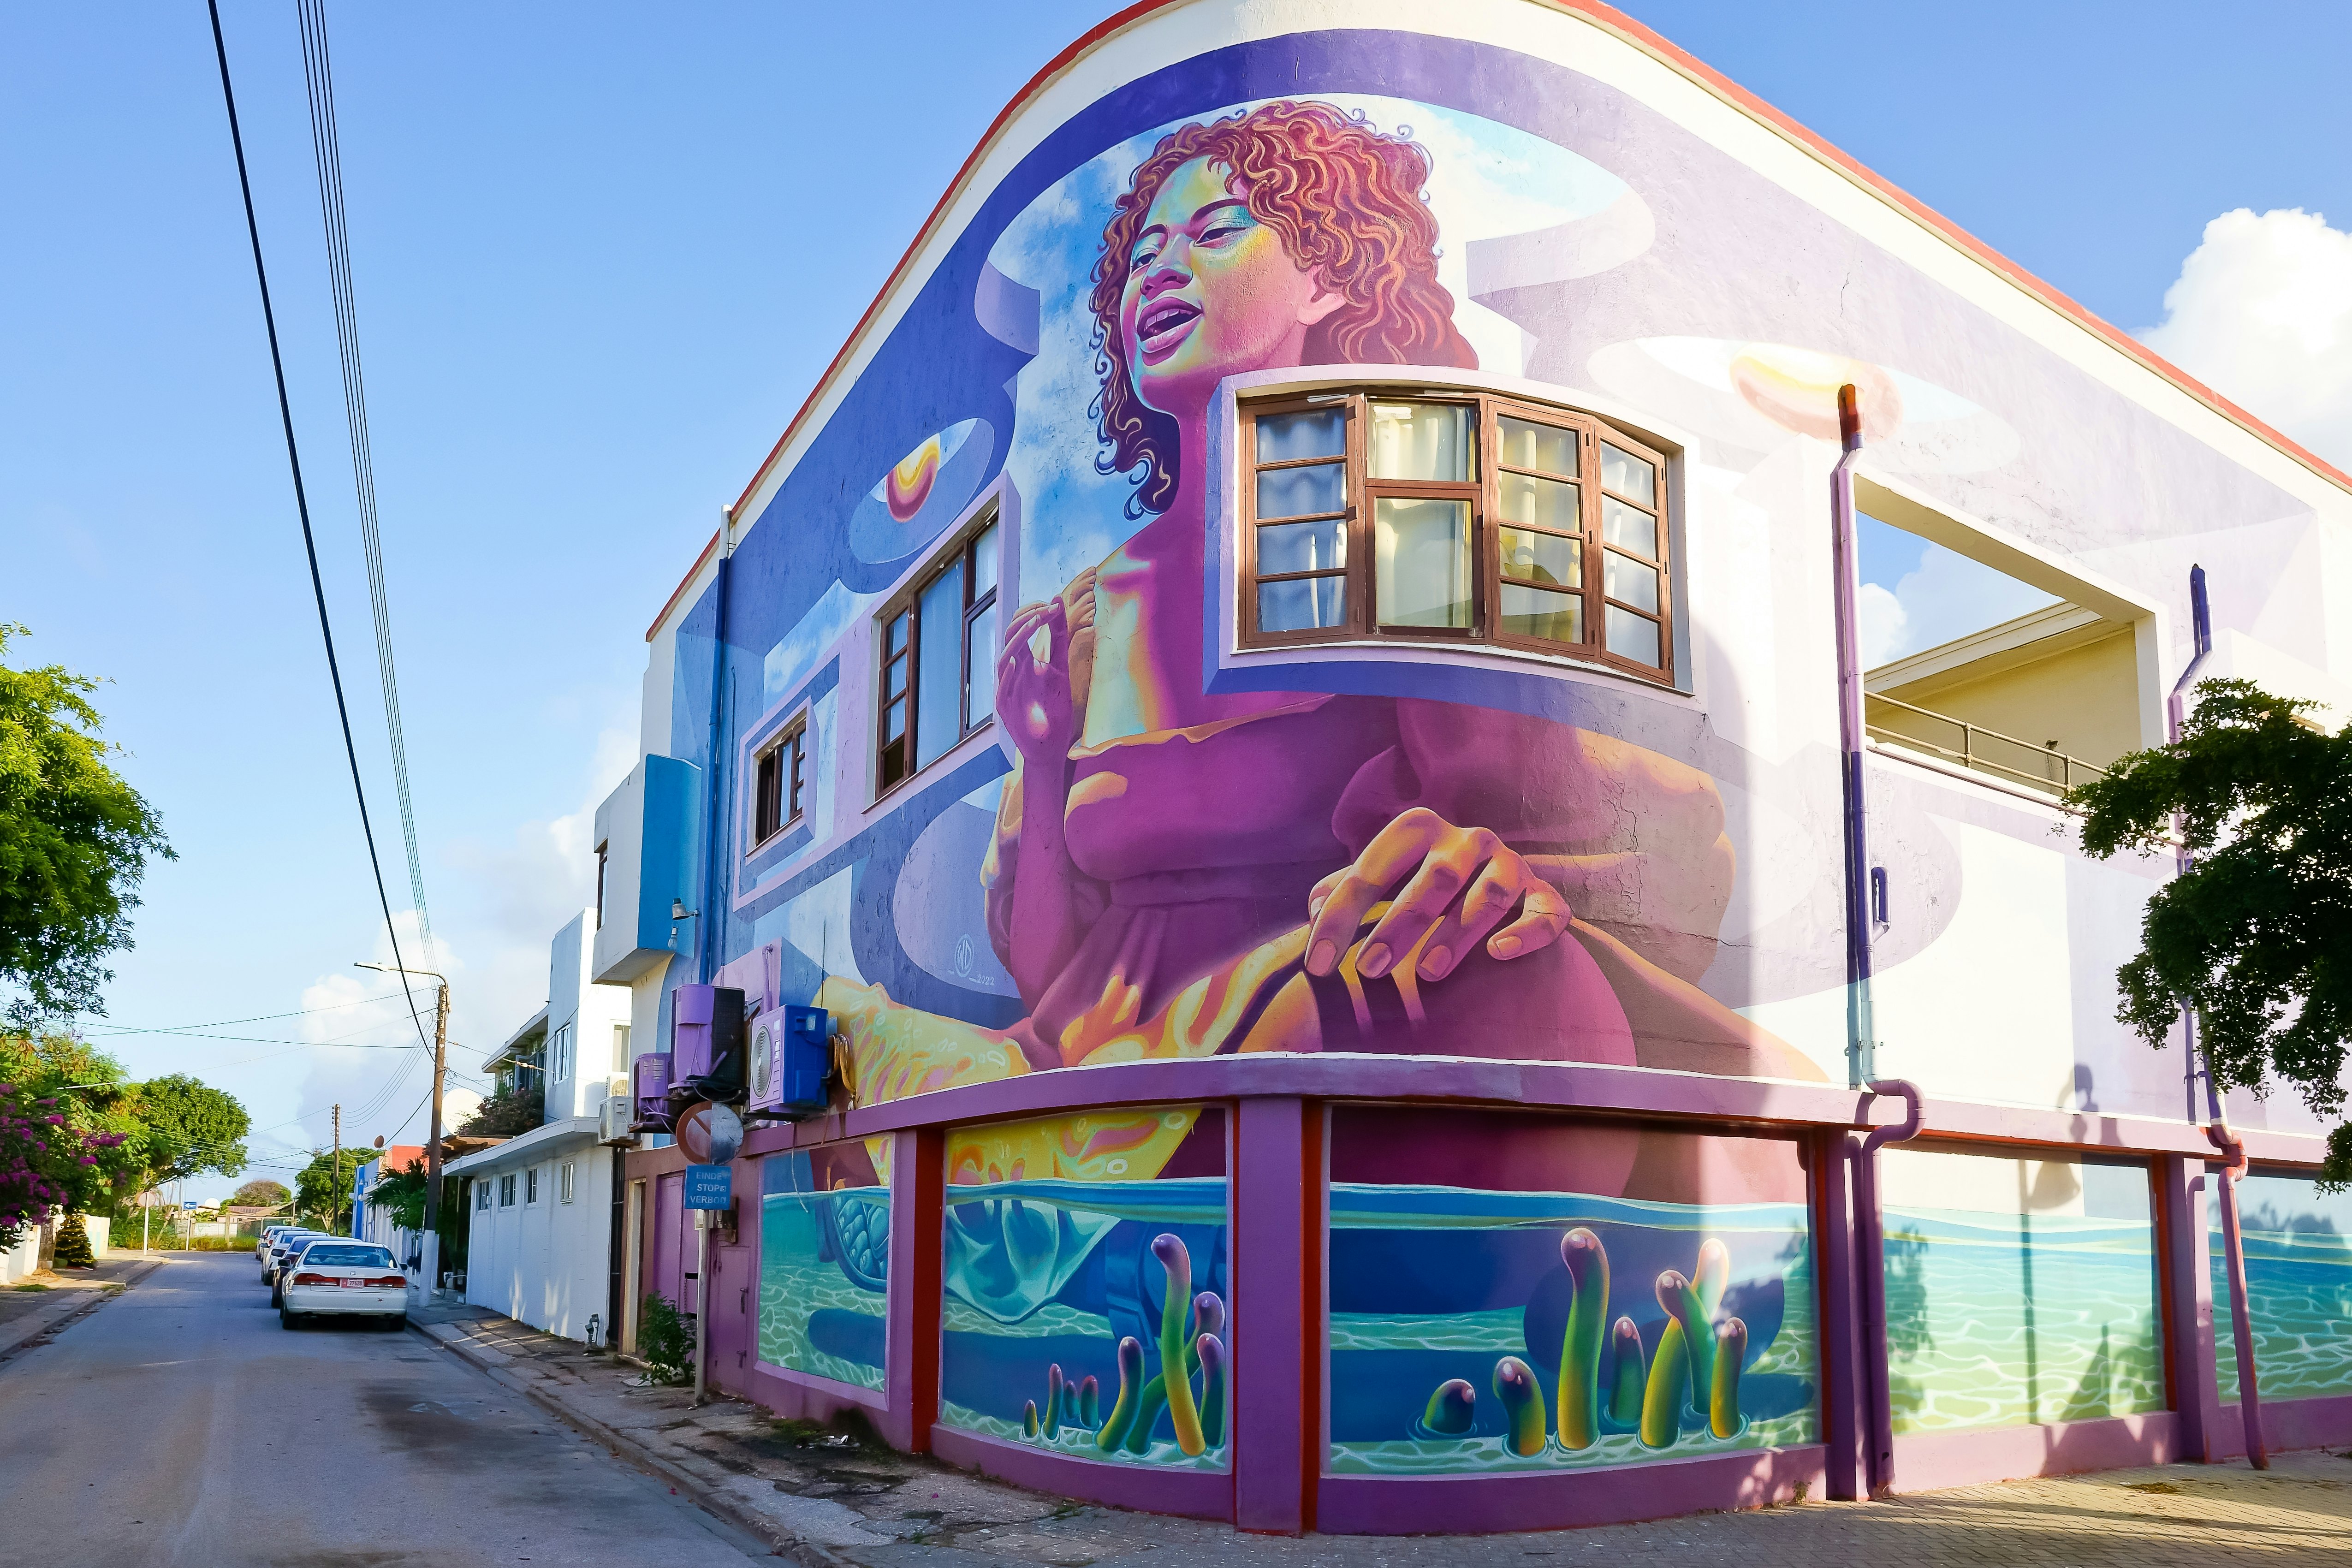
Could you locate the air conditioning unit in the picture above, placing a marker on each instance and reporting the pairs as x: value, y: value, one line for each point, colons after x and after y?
x: 706, y: 1043
x: 792, y: 1061
x: 650, y: 1092
x: 614, y: 1122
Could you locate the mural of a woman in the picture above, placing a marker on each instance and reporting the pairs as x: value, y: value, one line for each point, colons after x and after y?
x: 1180, y: 873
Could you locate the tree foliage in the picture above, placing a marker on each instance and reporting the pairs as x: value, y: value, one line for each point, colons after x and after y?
x: 64, y: 1133
x: 74, y: 842
x: 261, y: 1193
x: 322, y: 1189
x: 188, y: 1129
x: 510, y: 1112
x: 2256, y: 936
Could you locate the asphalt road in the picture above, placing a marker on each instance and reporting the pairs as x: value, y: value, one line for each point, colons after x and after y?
x: 180, y: 1425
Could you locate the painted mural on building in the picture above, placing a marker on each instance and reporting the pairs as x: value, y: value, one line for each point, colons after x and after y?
x: 824, y: 1264
x: 1089, y: 1312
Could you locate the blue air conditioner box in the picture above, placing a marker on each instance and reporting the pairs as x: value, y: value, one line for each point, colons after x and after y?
x: 792, y: 1057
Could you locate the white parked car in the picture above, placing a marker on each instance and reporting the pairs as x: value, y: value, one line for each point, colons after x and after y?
x: 288, y: 1244
x: 333, y: 1277
x: 269, y: 1238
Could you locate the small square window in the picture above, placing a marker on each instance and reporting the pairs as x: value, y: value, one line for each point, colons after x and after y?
x: 481, y: 1198
x: 506, y: 1191
x: 776, y: 795
x: 563, y: 1182
x: 531, y: 1185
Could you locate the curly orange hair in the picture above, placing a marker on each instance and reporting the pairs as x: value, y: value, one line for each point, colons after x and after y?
x: 1347, y: 203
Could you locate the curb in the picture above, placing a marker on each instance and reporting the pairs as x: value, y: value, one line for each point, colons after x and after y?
x: 637, y: 1452
x: 37, y: 1328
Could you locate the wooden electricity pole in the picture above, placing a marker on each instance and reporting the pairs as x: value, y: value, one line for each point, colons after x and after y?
x: 335, y: 1171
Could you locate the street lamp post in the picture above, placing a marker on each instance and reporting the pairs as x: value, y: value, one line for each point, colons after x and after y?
x: 431, y: 1241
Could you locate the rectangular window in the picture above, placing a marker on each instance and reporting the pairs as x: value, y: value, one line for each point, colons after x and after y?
x: 560, y: 1053
x: 776, y: 799
x: 938, y: 660
x: 563, y: 1182
x: 531, y: 1185
x: 506, y: 1191
x: 1470, y: 519
x: 602, y: 854
x: 621, y: 1047
x: 482, y: 1197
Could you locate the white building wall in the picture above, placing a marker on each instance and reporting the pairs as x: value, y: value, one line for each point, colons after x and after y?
x: 542, y: 1262
x: 588, y: 1025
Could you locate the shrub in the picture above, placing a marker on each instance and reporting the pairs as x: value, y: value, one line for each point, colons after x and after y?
x: 73, y: 1245
x: 665, y: 1342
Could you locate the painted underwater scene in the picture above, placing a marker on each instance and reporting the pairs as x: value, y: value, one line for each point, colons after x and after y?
x: 824, y: 1255
x: 2298, y: 1246
x: 1067, y: 1301
x: 2018, y: 1291
x: 1475, y: 1330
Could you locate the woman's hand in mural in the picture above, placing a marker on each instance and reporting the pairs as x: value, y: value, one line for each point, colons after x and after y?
x: 1459, y: 884
x: 1033, y: 694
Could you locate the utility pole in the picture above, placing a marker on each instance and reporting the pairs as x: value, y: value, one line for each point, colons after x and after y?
x: 335, y: 1169
x: 431, y: 1241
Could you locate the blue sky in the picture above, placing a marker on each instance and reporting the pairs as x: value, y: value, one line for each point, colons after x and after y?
x: 600, y: 255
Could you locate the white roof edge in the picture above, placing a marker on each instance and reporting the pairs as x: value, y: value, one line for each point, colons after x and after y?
x: 529, y: 1145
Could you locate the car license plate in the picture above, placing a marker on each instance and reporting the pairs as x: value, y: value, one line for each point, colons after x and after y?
x: 349, y: 1284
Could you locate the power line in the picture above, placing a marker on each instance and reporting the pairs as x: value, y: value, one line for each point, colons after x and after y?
x: 302, y: 506
x: 327, y: 149
x: 224, y: 1023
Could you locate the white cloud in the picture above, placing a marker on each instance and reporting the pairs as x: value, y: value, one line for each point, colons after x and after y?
x: 2262, y: 313
x: 1883, y: 621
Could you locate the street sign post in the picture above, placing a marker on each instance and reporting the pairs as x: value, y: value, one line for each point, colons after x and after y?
x: 709, y: 1186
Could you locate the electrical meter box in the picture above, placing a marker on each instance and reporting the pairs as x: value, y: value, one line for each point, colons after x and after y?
x: 706, y: 1042
x: 650, y: 1089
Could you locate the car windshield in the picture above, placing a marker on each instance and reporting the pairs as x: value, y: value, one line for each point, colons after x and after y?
x: 328, y: 1256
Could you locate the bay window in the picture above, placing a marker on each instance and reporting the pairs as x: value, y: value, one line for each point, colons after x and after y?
x: 1462, y: 519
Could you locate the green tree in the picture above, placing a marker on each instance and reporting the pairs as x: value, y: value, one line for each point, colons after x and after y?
x: 260, y: 1194
x: 73, y: 1245
x: 70, y: 1127
x: 188, y: 1129
x: 2256, y: 937
x: 510, y: 1112
x: 322, y: 1189
x: 74, y: 842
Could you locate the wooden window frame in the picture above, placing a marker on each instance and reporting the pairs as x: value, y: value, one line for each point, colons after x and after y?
x: 1486, y: 577
x: 789, y: 750
x: 908, y: 604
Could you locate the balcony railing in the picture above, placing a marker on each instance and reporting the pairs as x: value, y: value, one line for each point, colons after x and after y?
x: 1973, y: 746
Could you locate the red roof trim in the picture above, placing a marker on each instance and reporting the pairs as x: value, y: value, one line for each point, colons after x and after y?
x: 1667, y: 54
x: 682, y: 583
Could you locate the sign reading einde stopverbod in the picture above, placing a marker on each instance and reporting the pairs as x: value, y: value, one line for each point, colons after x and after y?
x: 709, y: 1187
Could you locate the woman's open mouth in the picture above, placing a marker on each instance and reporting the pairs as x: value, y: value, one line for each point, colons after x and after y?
x: 1162, y: 325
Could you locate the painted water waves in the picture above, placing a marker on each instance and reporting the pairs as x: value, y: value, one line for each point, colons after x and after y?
x: 2019, y: 1292
x: 1090, y: 1317
x: 2298, y: 1246
x: 1478, y: 1331
x: 825, y: 1230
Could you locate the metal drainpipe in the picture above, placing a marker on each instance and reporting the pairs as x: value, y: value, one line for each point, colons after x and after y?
x: 1862, y: 1040
x: 1878, y: 1390
x: 2217, y: 1128
x: 706, y: 941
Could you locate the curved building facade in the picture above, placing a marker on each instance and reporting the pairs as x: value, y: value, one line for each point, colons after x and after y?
x: 1284, y: 691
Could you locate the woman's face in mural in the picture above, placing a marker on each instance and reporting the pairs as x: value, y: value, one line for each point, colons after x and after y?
x: 1210, y: 291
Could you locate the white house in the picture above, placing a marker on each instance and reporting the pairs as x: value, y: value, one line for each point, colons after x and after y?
x: 540, y: 1242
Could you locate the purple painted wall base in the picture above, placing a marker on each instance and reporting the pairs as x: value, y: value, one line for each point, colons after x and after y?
x: 1455, y: 1505
x: 797, y: 1396
x: 1927, y: 1461
x: 1192, y: 1494
x: 2324, y: 1422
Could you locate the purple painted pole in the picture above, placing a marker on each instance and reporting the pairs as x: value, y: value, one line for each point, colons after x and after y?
x: 1833, y: 1150
x: 1870, y: 1269
x: 1277, y: 1321
x: 2188, y: 1295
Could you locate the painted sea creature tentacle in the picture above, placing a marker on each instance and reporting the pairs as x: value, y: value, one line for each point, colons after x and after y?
x: 1661, y: 1400
x: 1523, y: 1411
x: 1723, y: 1417
x: 1130, y: 1391
x: 1147, y: 1405
x: 1029, y: 1419
x: 1452, y: 1410
x: 1182, y: 1413
x: 1681, y: 1303
x: 1629, y: 1375
x: 1051, y: 1421
x: 1578, y: 1421
x: 1212, y: 1388
x: 1208, y: 1314
x: 1089, y: 1402
x: 1711, y: 1274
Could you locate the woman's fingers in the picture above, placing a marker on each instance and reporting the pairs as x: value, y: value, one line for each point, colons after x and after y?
x: 1493, y: 894
x: 1449, y: 866
x: 1539, y: 924
x: 1395, y: 850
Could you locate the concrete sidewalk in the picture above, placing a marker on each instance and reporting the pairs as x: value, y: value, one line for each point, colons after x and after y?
x: 826, y: 1497
x: 39, y: 1304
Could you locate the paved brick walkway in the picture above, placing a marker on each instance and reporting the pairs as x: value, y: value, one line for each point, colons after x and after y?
x: 830, y: 1502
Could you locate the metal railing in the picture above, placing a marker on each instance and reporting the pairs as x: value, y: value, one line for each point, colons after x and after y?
x: 1981, y: 750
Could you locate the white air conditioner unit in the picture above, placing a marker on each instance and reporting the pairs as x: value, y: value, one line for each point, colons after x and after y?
x: 613, y: 1120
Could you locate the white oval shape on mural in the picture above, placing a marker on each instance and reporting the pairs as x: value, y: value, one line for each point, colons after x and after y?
x: 1756, y: 395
